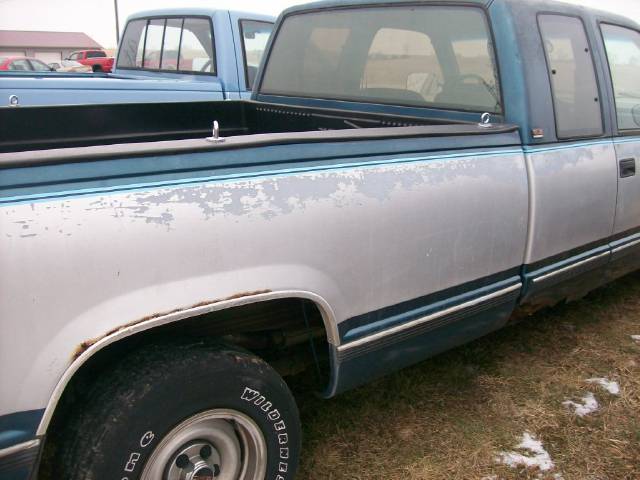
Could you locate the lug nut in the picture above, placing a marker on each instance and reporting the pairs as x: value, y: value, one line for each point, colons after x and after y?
x: 182, y: 461
x: 205, y: 452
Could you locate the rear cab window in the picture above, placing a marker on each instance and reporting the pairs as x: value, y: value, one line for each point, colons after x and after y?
x: 623, y: 53
x: 572, y: 74
x: 255, y: 35
x: 425, y: 56
x: 169, y: 44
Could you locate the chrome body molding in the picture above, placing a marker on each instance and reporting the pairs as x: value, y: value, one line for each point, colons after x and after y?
x: 5, y: 452
x: 626, y: 246
x: 426, y: 319
x: 127, y: 331
x: 568, y: 268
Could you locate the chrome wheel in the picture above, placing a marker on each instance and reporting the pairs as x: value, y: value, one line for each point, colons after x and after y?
x: 219, y: 444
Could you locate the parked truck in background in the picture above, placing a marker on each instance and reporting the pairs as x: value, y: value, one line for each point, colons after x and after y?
x: 171, y: 55
x: 407, y: 177
x: 96, y: 59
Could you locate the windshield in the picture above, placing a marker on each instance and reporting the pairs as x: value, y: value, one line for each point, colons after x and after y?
x: 429, y: 56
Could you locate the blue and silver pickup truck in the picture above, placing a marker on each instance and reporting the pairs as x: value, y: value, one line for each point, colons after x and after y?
x: 174, y: 55
x: 407, y: 177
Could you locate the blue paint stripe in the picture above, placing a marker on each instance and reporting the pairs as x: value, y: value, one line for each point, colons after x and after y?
x: 41, y: 197
x: 567, y: 146
x: 425, y: 310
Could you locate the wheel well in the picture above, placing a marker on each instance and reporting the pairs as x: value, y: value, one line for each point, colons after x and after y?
x: 288, y: 333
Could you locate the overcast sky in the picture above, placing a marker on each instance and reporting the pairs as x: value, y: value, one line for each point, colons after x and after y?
x: 96, y: 17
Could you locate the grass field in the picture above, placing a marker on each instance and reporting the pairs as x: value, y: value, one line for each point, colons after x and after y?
x: 451, y: 417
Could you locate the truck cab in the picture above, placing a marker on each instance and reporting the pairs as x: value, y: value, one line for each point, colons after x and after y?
x: 170, y: 55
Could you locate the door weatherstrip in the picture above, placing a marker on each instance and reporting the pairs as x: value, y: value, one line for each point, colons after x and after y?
x: 624, y: 247
x: 429, y: 318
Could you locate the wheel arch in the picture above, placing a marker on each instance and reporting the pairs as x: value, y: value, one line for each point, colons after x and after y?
x: 90, y: 348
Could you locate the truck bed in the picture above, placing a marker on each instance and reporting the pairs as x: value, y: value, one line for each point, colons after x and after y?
x: 53, y: 127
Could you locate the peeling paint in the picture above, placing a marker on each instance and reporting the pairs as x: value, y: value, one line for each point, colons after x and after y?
x: 85, y: 345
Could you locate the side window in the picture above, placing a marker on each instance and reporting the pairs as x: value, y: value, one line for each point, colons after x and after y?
x: 132, y: 45
x: 20, y: 65
x: 74, y: 56
x: 196, y: 48
x: 623, y: 53
x: 96, y: 54
x: 255, y: 36
x: 153, y: 44
x: 572, y: 74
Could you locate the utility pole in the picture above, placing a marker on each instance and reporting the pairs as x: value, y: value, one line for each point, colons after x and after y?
x: 115, y: 5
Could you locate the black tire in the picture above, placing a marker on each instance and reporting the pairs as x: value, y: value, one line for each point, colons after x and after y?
x: 124, y: 416
x: 96, y: 68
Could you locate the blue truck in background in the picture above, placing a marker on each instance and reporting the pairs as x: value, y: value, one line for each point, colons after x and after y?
x: 169, y: 55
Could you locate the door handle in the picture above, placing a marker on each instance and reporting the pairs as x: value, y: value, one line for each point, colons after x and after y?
x: 627, y: 167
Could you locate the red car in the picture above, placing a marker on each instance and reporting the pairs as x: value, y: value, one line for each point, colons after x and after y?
x: 23, y: 64
x: 96, y: 59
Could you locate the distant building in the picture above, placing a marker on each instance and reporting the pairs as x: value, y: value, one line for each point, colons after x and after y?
x: 46, y: 46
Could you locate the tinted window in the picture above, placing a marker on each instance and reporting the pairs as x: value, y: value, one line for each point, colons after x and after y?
x: 96, y: 54
x: 255, y: 36
x: 421, y: 56
x: 573, y: 78
x: 153, y: 44
x: 623, y: 52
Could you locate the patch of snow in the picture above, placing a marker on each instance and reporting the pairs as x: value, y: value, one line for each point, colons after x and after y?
x: 589, y: 405
x: 610, y: 386
x: 538, y: 456
x: 635, y: 338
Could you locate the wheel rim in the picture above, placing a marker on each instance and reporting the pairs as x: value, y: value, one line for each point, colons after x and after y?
x: 218, y: 444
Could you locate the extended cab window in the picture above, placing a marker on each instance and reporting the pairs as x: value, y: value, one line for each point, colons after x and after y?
x: 168, y: 44
x: 573, y: 78
x: 428, y: 56
x: 255, y: 36
x: 96, y: 54
x: 623, y: 52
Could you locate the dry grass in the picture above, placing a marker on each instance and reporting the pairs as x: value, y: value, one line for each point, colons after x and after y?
x: 450, y: 416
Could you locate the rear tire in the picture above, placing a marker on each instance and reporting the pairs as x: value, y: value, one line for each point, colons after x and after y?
x: 169, y: 411
x: 96, y: 68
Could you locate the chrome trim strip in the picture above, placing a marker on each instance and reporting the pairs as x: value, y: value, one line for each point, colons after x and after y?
x: 625, y: 246
x: 5, y: 452
x: 428, y: 318
x: 570, y: 267
x: 326, y: 311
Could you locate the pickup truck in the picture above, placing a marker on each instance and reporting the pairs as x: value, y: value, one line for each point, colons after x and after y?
x: 96, y: 59
x: 169, y: 55
x: 407, y: 177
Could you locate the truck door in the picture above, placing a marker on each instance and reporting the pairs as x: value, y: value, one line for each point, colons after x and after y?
x: 572, y: 176
x: 622, y: 46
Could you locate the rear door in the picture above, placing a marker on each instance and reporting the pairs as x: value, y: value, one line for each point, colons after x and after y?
x: 573, y: 176
x: 622, y: 46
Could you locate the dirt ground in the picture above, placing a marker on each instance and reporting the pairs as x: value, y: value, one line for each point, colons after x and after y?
x: 463, y: 414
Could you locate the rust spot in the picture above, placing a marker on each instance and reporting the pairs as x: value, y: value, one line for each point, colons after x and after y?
x: 80, y: 349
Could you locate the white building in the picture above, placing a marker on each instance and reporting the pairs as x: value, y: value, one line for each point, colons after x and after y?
x: 46, y: 46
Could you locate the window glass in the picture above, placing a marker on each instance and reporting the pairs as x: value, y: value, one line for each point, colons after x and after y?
x: 623, y: 53
x: 153, y: 44
x: 573, y: 78
x: 132, y: 45
x: 39, y: 66
x: 21, y: 65
x: 255, y: 36
x: 74, y: 56
x: 402, y: 62
x: 171, y: 46
x: 196, y: 48
x: 432, y: 56
x: 96, y: 54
